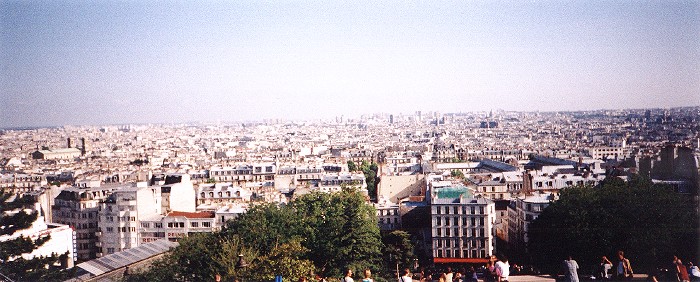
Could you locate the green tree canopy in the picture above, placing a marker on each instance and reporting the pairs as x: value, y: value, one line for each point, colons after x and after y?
x: 318, y: 232
x: 398, y: 248
x: 649, y: 222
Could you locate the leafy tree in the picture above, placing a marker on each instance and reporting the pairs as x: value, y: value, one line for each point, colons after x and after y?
x: 285, y: 260
x: 457, y: 174
x: 370, y: 171
x: 398, y: 248
x: 318, y: 231
x: 13, y: 218
x: 649, y: 222
x: 352, y: 166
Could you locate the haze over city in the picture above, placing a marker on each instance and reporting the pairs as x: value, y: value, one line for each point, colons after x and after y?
x: 72, y: 62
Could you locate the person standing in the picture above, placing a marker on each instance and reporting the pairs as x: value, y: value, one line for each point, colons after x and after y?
x: 624, y: 268
x: 682, y: 272
x: 406, y: 276
x: 449, y: 275
x: 348, y: 276
x: 502, y: 269
x: 604, y: 268
x: 570, y: 267
x: 368, y: 276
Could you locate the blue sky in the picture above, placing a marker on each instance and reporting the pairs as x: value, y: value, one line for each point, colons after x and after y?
x: 98, y: 62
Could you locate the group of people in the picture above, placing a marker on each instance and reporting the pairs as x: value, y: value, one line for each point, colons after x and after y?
x: 622, y: 271
x: 680, y: 272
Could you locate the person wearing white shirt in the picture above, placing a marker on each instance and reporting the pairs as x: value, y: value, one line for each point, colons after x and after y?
x: 502, y: 269
x: 406, y: 276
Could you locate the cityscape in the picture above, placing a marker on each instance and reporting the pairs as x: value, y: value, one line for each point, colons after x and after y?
x: 337, y: 141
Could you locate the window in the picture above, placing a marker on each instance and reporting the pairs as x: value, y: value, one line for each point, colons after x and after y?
x: 447, y: 221
x: 481, y: 210
x: 194, y: 224
x: 437, y: 210
x: 158, y: 225
x: 145, y: 224
x: 439, y: 232
x: 206, y: 224
x: 454, y: 210
x: 110, y: 229
x: 439, y: 253
x: 110, y: 250
x: 438, y: 221
x: 473, y: 210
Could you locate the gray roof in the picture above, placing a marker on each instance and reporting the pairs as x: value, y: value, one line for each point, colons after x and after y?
x: 121, y: 259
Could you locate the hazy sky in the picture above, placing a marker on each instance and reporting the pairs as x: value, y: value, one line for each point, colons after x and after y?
x: 97, y: 62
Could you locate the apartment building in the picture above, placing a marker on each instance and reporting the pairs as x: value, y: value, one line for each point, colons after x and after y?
x: 120, y: 214
x: 521, y: 212
x: 462, y: 229
x: 79, y: 209
x: 176, y: 225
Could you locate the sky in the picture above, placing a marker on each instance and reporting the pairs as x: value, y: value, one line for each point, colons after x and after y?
x: 116, y: 62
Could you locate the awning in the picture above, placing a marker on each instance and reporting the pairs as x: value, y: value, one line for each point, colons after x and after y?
x: 460, y: 260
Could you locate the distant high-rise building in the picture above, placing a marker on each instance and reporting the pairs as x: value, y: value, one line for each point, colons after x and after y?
x: 391, y: 119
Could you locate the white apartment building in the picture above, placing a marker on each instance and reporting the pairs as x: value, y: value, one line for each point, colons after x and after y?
x: 178, y: 194
x: 79, y: 208
x: 521, y: 212
x: 244, y: 173
x: 493, y: 189
x: 176, y: 225
x: 120, y: 214
x: 334, y: 182
x: 388, y: 215
x: 222, y: 194
x: 229, y: 212
x: 462, y: 229
x: 20, y: 183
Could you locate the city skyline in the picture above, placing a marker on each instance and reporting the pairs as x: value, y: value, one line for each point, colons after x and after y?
x: 127, y: 62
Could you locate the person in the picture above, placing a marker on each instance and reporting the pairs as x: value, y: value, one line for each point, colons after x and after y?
x: 694, y: 272
x: 443, y: 278
x: 368, y: 276
x: 449, y: 275
x: 624, y: 268
x: 348, y: 276
x: 604, y: 268
x: 570, y: 267
x: 682, y: 272
x: 673, y: 270
x: 406, y: 276
x: 490, y: 270
x: 502, y: 269
x: 471, y: 275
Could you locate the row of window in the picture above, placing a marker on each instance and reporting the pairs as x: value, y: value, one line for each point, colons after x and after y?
x: 439, y: 220
x: 456, y: 209
x: 468, y: 232
x: 462, y: 254
x: 194, y: 224
x: 454, y: 243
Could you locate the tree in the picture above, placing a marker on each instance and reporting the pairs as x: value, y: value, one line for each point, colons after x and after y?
x: 318, y: 231
x: 649, y: 222
x: 370, y: 171
x: 13, y: 218
x: 352, y: 166
x: 398, y: 249
x: 457, y: 174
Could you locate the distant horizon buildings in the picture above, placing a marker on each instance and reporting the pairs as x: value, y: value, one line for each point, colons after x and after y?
x: 352, y: 118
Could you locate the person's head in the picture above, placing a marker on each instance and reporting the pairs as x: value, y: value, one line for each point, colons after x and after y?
x: 620, y: 254
x: 675, y: 258
x: 449, y: 269
x: 368, y: 273
x: 503, y: 258
x: 348, y: 272
x: 406, y: 272
x: 569, y: 257
x: 679, y: 262
x: 604, y: 259
x: 690, y: 263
